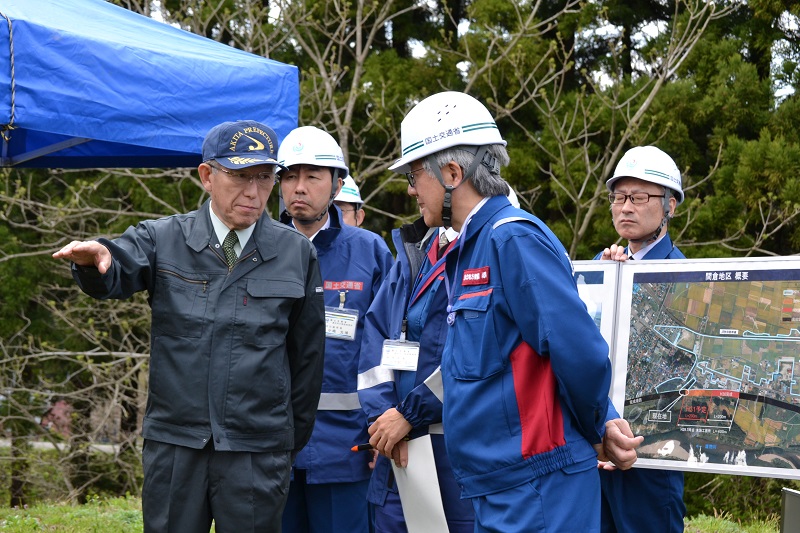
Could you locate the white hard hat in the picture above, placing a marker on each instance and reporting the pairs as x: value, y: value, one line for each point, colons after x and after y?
x: 648, y: 163
x: 311, y: 146
x: 349, y: 192
x: 442, y: 121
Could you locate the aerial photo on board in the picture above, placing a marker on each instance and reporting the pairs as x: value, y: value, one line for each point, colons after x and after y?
x: 713, y: 369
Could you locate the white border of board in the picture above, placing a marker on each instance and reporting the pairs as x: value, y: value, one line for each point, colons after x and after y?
x: 688, y: 271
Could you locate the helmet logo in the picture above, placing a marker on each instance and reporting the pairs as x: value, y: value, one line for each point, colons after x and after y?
x: 662, y: 175
x: 632, y: 163
x: 298, y: 147
x: 438, y: 136
x: 329, y: 157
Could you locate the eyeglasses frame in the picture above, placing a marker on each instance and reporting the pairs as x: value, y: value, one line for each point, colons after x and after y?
x: 262, y: 179
x: 612, y: 197
x: 410, y: 176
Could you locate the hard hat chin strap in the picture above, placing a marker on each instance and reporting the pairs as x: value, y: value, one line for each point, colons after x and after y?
x: 447, y: 210
x: 482, y: 157
x: 309, y: 221
x: 655, y: 234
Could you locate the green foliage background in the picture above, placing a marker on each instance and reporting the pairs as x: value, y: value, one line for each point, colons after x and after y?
x: 572, y: 85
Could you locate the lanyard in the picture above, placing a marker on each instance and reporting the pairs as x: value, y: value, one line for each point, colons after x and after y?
x: 462, y: 236
x: 451, y: 316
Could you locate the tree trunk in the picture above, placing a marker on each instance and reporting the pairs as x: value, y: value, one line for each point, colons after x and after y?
x: 19, y: 471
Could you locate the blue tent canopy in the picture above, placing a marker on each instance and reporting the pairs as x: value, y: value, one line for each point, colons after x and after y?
x: 87, y: 84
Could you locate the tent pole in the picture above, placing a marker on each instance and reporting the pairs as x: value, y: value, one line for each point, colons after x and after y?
x: 39, y: 152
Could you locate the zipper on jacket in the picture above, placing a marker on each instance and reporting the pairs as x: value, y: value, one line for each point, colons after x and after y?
x: 222, y: 258
x: 187, y: 280
x: 242, y: 258
x: 230, y: 268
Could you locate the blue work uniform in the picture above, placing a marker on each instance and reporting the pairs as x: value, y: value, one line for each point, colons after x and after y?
x: 640, y: 496
x: 329, y: 485
x: 415, y: 285
x: 526, y: 376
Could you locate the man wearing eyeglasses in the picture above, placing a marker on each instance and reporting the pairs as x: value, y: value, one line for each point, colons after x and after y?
x: 525, y: 372
x: 644, y: 192
x: 404, y: 402
x: 237, y: 341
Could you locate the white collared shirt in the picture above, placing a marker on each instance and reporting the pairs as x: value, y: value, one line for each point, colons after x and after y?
x: 221, y: 231
x: 472, y: 213
x: 638, y: 256
x: 325, y: 226
x: 449, y: 232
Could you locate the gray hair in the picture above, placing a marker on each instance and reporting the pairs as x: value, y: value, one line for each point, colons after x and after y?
x: 485, y: 181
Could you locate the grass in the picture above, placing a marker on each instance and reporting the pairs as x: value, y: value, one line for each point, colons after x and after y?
x: 723, y: 523
x: 124, y: 515
x: 117, y: 515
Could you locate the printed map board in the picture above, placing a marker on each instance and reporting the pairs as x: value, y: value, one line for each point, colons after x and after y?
x: 597, y: 286
x: 711, y: 350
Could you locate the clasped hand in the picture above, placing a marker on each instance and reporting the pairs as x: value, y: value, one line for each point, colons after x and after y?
x: 387, y: 435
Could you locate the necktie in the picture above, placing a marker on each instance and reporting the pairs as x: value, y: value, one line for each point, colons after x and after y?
x: 443, y: 242
x: 227, y: 246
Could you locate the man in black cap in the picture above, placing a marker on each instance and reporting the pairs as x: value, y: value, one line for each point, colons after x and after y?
x: 237, y: 341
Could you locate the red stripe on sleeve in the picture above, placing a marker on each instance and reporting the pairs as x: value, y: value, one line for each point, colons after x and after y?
x: 536, y: 390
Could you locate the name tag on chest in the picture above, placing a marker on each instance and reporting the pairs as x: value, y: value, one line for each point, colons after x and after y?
x: 341, y: 323
x: 400, y: 355
x: 475, y: 276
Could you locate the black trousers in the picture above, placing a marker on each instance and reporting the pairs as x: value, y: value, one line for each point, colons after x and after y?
x: 184, y: 489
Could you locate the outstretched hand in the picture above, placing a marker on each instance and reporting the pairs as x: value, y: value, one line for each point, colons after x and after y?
x: 86, y: 253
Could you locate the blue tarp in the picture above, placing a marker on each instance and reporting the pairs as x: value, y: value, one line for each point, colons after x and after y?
x: 125, y: 90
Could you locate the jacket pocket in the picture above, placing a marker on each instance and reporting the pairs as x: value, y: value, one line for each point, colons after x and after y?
x: 267, y: 309
x: 179, y: 303
x: 475, y: 350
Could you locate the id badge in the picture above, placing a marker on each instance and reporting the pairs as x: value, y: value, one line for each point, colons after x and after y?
x: 400, y: 355
x: 341, y: 323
